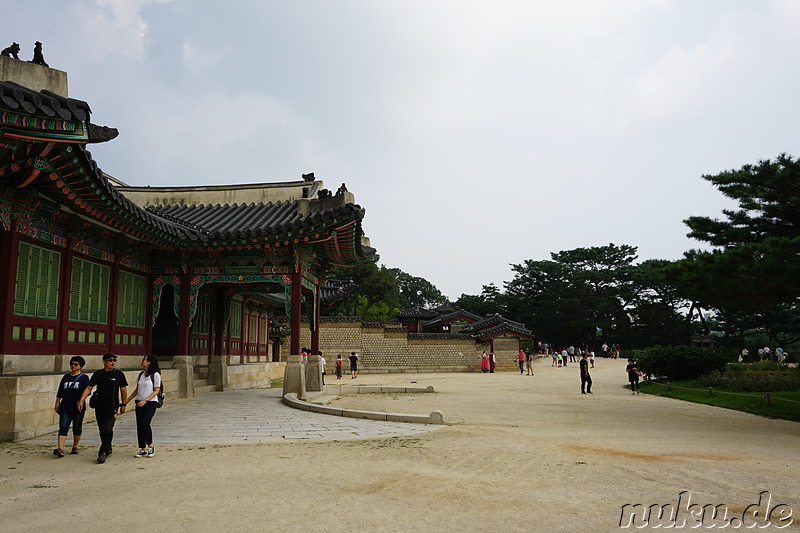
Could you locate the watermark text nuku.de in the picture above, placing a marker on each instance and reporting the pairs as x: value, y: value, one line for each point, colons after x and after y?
x: 685, y: 514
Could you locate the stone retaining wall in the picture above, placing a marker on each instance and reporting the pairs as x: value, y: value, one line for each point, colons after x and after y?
x: 28, y: 400
x: 26, y: 409
x: 383, y: 348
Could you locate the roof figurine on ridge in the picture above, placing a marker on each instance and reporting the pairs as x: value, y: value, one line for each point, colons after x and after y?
x: 38, y: 56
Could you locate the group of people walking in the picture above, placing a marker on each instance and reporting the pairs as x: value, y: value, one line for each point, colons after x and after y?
x: 108, y: 388
x: 582, y: 355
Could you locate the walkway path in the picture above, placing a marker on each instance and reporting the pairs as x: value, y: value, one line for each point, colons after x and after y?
x: 234, y: 417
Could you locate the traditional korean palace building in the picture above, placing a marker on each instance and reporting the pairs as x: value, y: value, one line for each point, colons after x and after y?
x: 90, y: 265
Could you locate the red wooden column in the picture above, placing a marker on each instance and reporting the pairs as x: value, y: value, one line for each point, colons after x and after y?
x: 315, y: 323
x: 113, y: 291
x: 9, y: 251
x: 294, y: 322
x: 183, y: 319
x: 219, y: 322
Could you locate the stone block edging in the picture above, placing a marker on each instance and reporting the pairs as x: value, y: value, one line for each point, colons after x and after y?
x: 436, y: 416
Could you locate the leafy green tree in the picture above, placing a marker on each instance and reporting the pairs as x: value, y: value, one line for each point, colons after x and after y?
x: 756, y: 255
x: 377, y: 296
x: 576, y: 295
x: 489, y: 301
x: 658, y: 310
x: 416, y: 291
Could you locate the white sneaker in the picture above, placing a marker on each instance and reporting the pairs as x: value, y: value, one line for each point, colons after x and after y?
x: 151, y: 451
x: 142, y: 453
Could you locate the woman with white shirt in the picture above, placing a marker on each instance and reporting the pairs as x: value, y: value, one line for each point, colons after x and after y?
x: 148, y: 385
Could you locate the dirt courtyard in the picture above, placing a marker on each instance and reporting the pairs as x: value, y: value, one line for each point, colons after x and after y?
x: 518, y: 453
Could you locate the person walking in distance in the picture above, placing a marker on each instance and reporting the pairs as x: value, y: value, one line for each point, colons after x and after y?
x: 322, y: 363
x: 69, y: 392
x: 633, y: 376
x: 112, y: 390
x: 353, y: 365
x: 521, y: 360
x: 339, y: 362
x: 586, y: 379
x: 528, y: 362
x: 148, y: 387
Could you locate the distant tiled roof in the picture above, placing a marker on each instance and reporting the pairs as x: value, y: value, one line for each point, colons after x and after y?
x: 450, y: 317
x: 435, y: 336
x: 416, y: 313
x: 489, y: 321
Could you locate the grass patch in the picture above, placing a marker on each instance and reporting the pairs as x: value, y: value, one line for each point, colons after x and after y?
x: 276, y: 383
x: 749, y: 402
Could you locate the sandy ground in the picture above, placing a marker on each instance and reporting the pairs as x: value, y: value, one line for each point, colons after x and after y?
x: 518, y: 453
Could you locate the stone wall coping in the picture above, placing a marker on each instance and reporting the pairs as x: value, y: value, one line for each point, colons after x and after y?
x: 436, y: 416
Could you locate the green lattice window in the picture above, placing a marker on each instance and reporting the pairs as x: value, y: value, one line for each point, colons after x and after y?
x: 253, y: 333
x: 236, y: 319
x: 203, y: 317
x: 88, y: 298
x: 131, y: 300
x: 38, y: 273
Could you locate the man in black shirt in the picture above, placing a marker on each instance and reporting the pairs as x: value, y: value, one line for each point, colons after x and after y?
x: 353, y: 365
x: 586, y: 379
x: 111, y: 386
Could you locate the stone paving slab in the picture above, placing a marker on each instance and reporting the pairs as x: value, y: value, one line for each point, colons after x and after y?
x: 241, y: 416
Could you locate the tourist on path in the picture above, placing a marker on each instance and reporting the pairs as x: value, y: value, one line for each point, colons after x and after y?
x: 586, y: 379
x: 492, y: 362
x: 322, y: 363
x: 339, y: 362
x: 564, y: 355
x: 591, y: 358
x: 521, y: 361
x: 353, y: 365
x: 528, y: 362
x: 69, y: 393
x: 112, y: 390
x: 633, y: 376
x: 484, y: 362
x: 148, y: 387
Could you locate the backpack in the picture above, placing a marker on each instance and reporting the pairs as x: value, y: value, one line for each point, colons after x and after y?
x: 160, y: 395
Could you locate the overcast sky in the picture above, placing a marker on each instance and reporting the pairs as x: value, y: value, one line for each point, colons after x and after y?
x: 475, y: 134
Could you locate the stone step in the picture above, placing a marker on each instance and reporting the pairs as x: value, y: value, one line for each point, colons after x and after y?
x: 200, y: 382
x: 323, y: 400
x: 203, y: 389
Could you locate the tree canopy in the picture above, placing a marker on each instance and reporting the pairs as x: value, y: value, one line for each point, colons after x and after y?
x: 756, y: 255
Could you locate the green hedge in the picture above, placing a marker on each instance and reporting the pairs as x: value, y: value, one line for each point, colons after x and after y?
x: 681, y: 362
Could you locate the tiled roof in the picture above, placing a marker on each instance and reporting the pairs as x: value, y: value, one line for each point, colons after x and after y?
x: 24, y: 100
x: 504, y: 327
x: 239, y: 221
x: 71, y: 177
x: 336, y: 289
